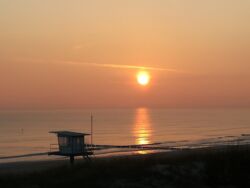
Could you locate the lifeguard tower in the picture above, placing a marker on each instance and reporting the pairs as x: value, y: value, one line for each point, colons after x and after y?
x: 70, y: 144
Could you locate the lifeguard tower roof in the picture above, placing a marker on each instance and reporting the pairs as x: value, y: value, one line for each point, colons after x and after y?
x: 69, y: 133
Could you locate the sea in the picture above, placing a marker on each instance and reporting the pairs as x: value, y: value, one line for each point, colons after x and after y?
x: 27, y: 132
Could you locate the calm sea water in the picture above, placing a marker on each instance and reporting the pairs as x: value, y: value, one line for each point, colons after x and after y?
x: 25, y: 132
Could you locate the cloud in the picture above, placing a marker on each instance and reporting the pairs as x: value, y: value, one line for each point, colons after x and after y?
x: 117, y: 66
x: 102, y: 65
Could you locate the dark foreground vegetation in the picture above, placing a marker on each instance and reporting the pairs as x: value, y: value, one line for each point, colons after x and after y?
x: 195, y: 168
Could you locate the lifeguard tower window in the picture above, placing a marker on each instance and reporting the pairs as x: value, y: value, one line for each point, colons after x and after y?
x: 63, y: 141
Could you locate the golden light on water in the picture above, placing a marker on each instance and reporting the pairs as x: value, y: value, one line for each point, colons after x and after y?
x: 143, y: 78
x: 142, y: 127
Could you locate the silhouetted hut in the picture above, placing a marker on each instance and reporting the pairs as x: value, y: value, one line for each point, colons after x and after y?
x: 71, y: 144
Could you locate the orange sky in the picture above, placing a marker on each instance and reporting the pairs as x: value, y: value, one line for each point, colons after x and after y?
x: 206, y: 42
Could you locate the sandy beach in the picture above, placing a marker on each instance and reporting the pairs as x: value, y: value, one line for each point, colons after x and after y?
x: 27, y: 166
x: 207, y: 167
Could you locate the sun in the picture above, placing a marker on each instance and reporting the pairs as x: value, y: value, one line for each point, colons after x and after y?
x: 143, y: 78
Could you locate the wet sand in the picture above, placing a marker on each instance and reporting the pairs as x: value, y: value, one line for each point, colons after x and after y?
x: 41, y: 165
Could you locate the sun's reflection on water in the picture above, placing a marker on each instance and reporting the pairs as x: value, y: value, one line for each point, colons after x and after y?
x: 142, y: 127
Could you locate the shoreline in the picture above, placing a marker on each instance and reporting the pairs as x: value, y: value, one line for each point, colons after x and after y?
x: 30, y: 166
x: 36, y: 165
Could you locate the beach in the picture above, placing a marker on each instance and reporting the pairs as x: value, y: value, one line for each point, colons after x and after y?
x: 206, y: 167
x: 189, y: 148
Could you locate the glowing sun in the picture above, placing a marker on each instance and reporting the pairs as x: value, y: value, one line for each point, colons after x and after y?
x: 143, y: 78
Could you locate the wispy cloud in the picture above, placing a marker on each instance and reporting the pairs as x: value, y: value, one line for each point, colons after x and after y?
x: 102, y: 65
x: 117, y: 66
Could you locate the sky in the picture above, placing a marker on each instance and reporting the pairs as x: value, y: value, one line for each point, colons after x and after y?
x: 54, y: 54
